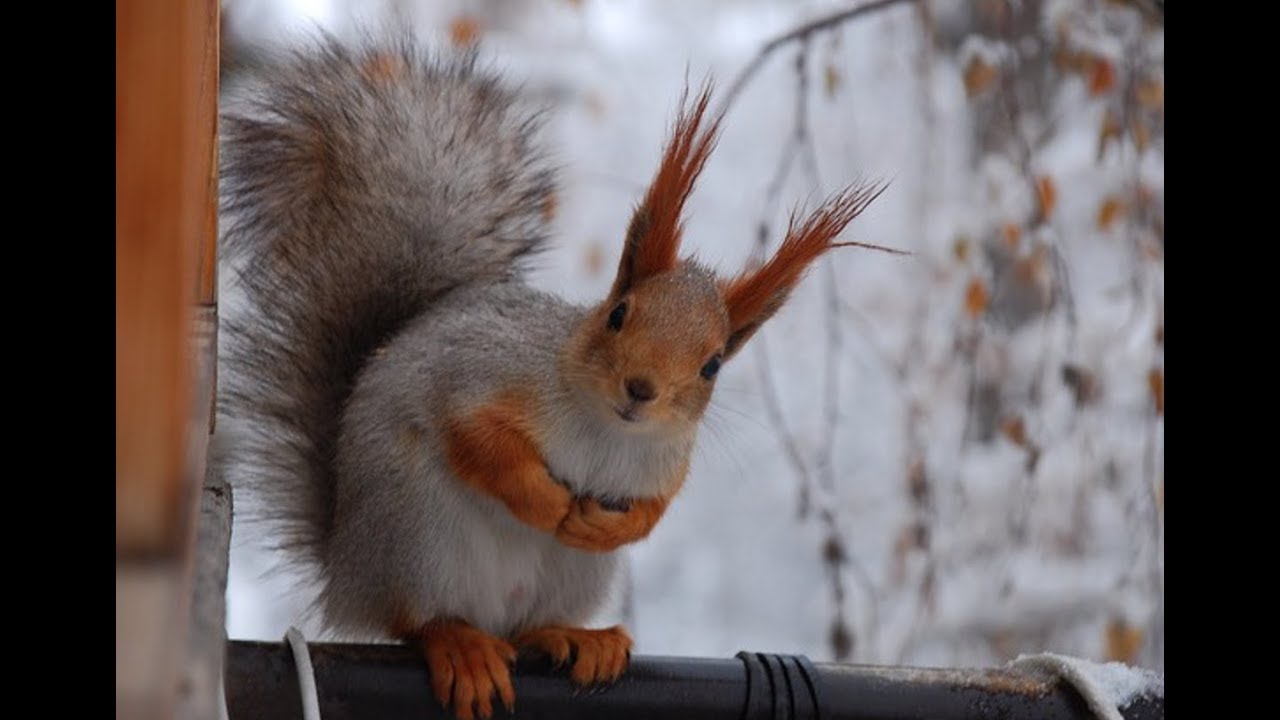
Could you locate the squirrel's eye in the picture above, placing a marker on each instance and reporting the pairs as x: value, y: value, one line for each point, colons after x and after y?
x: 615, y: 317
x: 711, y: 368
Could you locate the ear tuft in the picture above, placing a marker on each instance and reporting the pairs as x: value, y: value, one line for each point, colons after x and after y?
x: 653, y: 238
x: 756, y: 294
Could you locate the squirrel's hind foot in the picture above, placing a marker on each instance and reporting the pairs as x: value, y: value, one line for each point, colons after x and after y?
x: 467, y: 666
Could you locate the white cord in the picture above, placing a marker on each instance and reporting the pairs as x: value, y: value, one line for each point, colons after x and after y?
x: 306, y: 674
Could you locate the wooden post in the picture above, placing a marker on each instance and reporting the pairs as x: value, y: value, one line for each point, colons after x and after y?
x: 166, y: 215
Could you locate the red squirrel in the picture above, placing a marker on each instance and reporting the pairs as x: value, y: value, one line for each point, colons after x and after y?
x: 457, y: 455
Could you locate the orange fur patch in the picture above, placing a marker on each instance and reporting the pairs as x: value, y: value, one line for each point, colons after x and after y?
x: 654, y: 238
x: 468, y: 666
x: 601, y: 655
x: 592, y: 527
x: 754, y: 295
x: 491, y: 450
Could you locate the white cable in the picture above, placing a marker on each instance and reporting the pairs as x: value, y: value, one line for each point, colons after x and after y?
x: 306, y: 674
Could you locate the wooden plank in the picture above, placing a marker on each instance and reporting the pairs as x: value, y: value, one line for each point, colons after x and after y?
x: 166, y: 215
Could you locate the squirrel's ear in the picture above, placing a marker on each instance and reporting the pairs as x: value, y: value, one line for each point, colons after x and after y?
x: 653, y: 238
x: 756, y: 294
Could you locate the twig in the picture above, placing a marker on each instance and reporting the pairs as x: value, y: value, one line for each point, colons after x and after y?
x: 801, y: 33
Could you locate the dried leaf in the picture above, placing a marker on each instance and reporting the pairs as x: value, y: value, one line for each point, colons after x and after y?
x: 1066, y: 59
x: 1084, y: 384
x: 1160, y: 334
x: 833, y: 551
x: 1102, y: 77
x: 1033, y: 270
x: 841, y: 640
x: 1111, y: 130
x: 831, y: 79
x: 1123, y: 641
x: 976, y: 298
x: 1141, y: 135
x: 1014, y: 429
x: 464, y: 31
x: 1112, y: 208
x: 917, y: 482
x: 1047, y: 194
x: 1155, y: 380
x: 978, y: 76
x: 1011, y: 233
x: 960, y: 248
x: 1151, y: 94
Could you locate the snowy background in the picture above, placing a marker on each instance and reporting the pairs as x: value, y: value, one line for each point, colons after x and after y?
x: 948, y: 458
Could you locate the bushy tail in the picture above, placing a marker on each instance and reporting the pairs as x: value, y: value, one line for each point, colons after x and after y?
x: 357, y: 185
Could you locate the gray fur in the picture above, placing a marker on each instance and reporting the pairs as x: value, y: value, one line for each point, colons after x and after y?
x: 376, y: 230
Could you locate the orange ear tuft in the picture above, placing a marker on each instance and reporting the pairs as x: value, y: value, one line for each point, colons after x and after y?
x: 653, y: 238
x: 755, y: 295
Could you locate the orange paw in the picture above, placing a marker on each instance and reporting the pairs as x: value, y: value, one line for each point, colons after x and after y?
x: 601, y: 655
x: 468, y: 666
x: 592, y: 527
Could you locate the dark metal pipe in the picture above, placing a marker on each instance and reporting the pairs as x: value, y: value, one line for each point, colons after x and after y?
x: 386, y: 682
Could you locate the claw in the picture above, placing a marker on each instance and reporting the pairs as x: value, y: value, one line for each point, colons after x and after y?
x: 600, y: 656
x: 468, y: 666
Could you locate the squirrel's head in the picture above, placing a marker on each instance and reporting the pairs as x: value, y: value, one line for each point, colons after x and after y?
x: 648, y: 356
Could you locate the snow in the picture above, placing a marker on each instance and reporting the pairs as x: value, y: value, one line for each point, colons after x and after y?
x: 1016, y: 562
x: 1107, y: 687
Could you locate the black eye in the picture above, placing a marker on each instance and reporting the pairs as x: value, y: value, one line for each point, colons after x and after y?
x: 615, y: 317
x: 711, y: 368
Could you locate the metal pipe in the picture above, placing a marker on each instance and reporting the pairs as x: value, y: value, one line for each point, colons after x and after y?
x: 385, y: 682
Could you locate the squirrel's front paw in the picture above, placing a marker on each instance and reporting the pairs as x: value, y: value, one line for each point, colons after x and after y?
x: 546, y: 508
x: 468, y: 666
x: 593, y: 527
x: 598, y: 655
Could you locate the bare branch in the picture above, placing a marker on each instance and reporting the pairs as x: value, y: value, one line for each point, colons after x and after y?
x: 801, y: 33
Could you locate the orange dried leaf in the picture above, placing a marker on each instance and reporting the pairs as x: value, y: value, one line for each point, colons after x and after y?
x: 1111, y: 130
x: 978, y: 76
x: 1155, y: 380
x: 1123, y: 641
x: 1047, y: 194
x: 1151, y: 94
x: 1102, y: 77
x: 976, y: 298
x: 1011, y: 234
x: 1014, y: 429
x: 831, y: 80
x: 1141, y: 135
x: 1112, y: 208
x: 464, y: 31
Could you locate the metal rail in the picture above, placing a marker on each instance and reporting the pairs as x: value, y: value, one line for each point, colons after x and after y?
x: 385, y: 682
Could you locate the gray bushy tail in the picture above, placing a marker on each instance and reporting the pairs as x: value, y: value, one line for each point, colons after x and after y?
x: 358, y: 184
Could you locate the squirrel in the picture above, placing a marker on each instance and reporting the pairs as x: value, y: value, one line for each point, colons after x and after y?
x: 457, y: 455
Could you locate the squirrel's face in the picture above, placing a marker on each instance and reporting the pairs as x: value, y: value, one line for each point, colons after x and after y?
x: 648, y: 358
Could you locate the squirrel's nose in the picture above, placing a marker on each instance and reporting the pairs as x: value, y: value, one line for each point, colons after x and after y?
x: 640, y: 390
